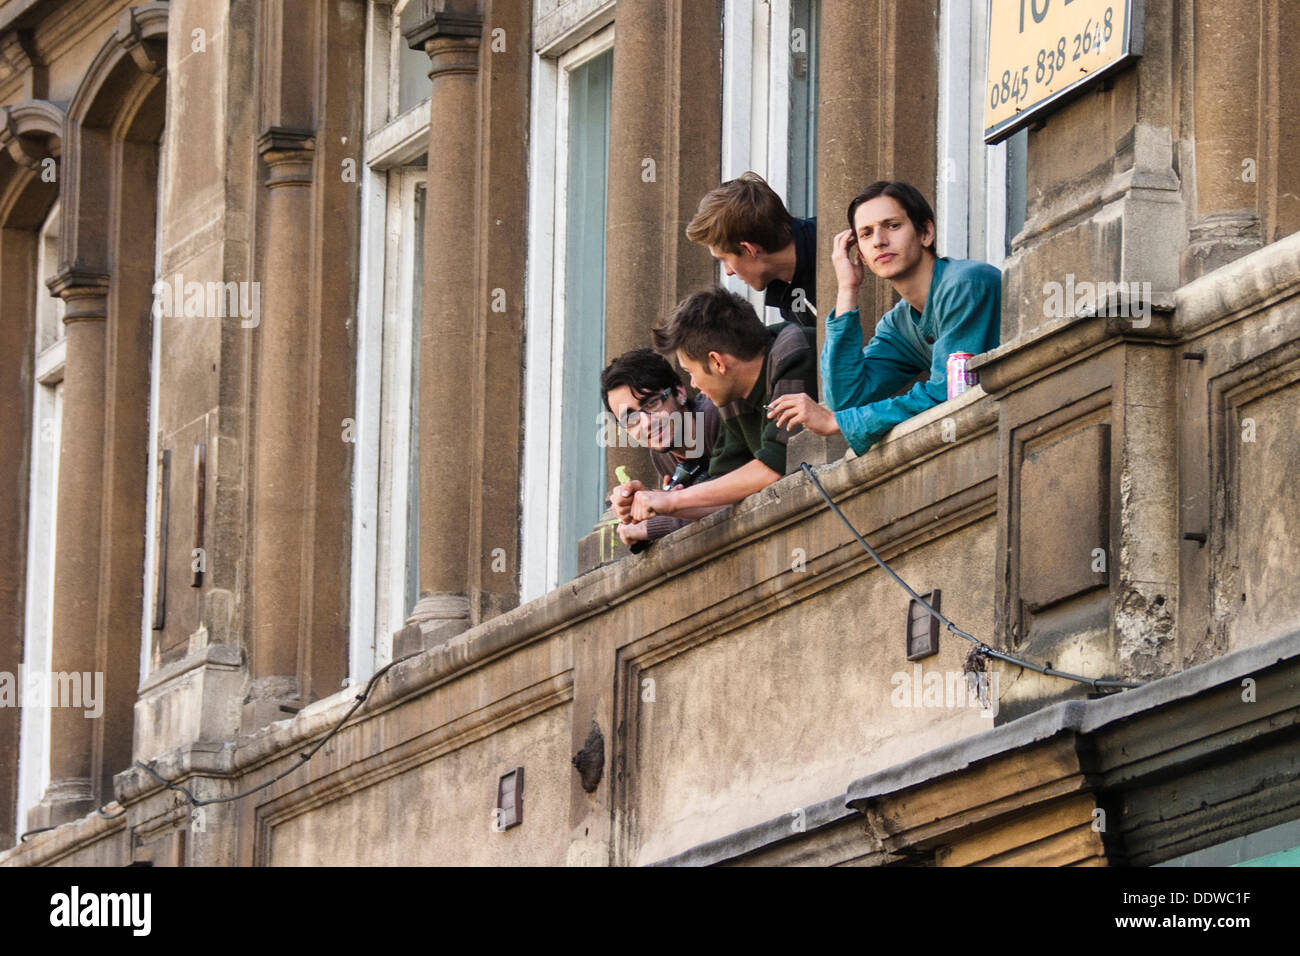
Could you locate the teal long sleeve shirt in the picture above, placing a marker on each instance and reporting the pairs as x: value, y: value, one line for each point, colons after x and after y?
x: 963, y: 313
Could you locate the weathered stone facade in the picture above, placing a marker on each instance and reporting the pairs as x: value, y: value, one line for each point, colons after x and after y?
x: 1117, y: 497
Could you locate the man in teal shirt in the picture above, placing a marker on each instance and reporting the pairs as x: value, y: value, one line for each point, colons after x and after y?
x: 948, y: 305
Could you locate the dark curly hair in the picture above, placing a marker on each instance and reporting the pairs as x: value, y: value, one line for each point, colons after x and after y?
x: 644, y: 371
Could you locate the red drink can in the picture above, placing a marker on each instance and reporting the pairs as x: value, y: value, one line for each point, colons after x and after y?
x: 959, y: 378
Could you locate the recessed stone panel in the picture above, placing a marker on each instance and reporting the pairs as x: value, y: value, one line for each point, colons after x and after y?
x: 1064, y: 517
x: 1267, y: 516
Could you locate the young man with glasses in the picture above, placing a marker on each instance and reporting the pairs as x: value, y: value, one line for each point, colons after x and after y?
x: 647, y: 399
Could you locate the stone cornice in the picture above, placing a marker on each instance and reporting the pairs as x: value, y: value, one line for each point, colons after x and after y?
x: 1246, y: 285
x: 1068, y: 340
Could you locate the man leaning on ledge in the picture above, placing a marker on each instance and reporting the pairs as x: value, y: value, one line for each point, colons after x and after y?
x: 946, y: 306
x: 740, y: 364
x: 683, y: 433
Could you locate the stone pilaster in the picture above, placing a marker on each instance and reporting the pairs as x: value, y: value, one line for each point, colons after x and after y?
x: 280, y: 509
x: 1279, y: 115
x: 71, y: 792
x: 450, y: 284
x: 876, y: 119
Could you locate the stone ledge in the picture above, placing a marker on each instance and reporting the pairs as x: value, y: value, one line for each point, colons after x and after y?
x: 761, y: 836
x: 1245, y: 285
x: 1079, y: 717
x: 46, y: 848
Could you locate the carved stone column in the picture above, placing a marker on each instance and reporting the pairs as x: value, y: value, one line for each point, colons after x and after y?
x: 77, y: 543
x: 449, y: 312
x: 281, y: 508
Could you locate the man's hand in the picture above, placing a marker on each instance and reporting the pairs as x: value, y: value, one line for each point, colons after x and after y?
x: 848, y: 264
x: 629, y: 534
x: 647, y: 504
x: 621, y: 500
x: 800, y: 409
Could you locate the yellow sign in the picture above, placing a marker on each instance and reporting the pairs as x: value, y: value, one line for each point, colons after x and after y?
x: 1041, y: 52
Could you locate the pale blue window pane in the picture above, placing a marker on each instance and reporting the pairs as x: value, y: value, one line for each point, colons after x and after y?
x: 804, y: 17
x: 582, y: 457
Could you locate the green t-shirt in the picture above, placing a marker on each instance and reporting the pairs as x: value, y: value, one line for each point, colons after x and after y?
x: 789, y: 367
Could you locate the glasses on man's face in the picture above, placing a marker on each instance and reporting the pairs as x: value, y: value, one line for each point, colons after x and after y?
x: 631, y: 417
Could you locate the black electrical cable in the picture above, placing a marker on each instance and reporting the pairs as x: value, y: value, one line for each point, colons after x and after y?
x: 302, y: 757
x: 99, y: 810
x: 981, y: 648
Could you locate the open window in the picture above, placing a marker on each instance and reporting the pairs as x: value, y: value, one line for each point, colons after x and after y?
x: 769, y: 104
x: 47, y: 414
x: 980, y: 190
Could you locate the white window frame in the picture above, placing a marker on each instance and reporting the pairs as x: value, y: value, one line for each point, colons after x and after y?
x: 543, y: 365
x: 43, y: 496
x: 385, y: 349
x: 971, y: 184
x: 151, y: 530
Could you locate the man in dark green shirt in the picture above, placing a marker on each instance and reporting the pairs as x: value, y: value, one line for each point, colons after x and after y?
x: 742, y: 365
